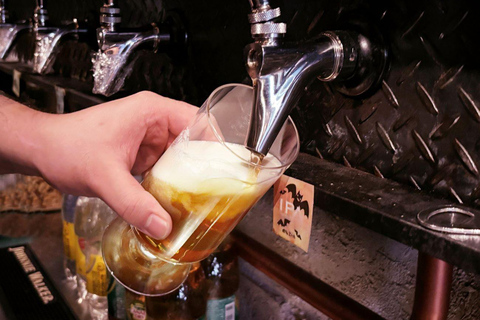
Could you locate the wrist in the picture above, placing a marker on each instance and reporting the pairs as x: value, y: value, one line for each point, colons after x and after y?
x: 20, y: 126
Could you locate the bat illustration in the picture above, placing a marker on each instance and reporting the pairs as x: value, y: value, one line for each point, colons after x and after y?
x: 283, y: 222
x: 297, y: 199
x: 298, y: 234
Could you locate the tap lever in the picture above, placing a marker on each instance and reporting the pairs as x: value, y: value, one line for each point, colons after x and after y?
x: 110, y: 16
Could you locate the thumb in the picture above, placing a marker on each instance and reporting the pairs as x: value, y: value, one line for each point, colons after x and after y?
x: 122, y: 192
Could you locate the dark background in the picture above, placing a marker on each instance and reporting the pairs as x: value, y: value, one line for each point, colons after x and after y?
x: 421, y: 127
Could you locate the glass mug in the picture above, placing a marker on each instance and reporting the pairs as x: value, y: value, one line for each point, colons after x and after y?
x: 207, y: 181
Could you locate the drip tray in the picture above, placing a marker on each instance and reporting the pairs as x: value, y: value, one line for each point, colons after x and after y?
x: 26, y: 292
x: 451, y: 219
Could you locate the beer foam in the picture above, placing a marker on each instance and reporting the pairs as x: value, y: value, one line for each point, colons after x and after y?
x: 208, y: 166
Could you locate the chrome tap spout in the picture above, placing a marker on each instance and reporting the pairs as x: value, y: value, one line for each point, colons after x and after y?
x: 280, y: 72
x: 8, y: 33
x: 47, y: 40
x: 114, y: 49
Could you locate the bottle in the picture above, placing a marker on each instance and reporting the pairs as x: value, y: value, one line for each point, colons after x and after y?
x: 221, y: 271
x: 79, y: 227
x: 188, y: 302
x: 92, y: 216
x: 69, y: 203
x: 135, y: 306
x: 116, y: 302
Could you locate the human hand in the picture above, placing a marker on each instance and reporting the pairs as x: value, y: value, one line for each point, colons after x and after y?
x: 94, y: 152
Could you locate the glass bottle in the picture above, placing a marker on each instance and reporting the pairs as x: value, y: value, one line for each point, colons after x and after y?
x: 69, y: 203
x: 221, y: 271
x: 91, y: 218
x: 188, y: 302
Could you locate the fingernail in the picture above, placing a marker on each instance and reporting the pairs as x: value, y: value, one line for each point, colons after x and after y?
x: 156, y: 227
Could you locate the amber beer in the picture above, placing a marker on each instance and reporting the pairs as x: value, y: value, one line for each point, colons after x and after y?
x: 207, y: 180
x: 207, y: 188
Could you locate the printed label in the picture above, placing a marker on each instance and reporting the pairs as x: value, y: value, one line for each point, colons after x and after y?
x: 137, y: 310
x: 221, y: 309
x: 97, y: 279
x: 80, y: 257
x: 60, y: 97
x: 69, y: 240
x: 16, y: 82
x: 293, y: 210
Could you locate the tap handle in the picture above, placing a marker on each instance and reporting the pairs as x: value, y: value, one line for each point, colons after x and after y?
x: 40, y: 15
x: 110, y: 16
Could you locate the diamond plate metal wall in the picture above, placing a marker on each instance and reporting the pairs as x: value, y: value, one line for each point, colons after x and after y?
x: 422, y: 126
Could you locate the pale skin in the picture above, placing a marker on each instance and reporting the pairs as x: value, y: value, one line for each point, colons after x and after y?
x: 96, y: 151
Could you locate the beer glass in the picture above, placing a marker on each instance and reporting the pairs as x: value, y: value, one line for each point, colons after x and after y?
x: 207, y: 180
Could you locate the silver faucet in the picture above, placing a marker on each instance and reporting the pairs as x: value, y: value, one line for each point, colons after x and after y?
x: 280, y: 72
x: 47, y: 38
x: 8, y: 31
x: 109, y: 64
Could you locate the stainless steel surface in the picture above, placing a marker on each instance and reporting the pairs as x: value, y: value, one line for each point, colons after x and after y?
x: 8, y: 34
x: 263, y: 15
x: 451, y: 219
x: 280, y: 73
x: 115, y: 47
x: 110, y: 16
x: 47, y: 40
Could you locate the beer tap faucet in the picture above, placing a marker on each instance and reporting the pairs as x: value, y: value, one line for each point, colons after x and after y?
x: 115, y: 47
x: 8, y: 31
x: 48, y: 38
x: 280, y: 71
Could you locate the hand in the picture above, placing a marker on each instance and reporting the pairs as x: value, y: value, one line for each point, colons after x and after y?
x: 94, y: 152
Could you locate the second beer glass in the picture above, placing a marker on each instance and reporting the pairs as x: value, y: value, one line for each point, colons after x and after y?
x: 207, y: 181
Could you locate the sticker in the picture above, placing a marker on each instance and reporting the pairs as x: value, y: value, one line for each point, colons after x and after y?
x: 222, y: 309
x: 69, y: 240
x: 97, y: 278
x: 293, y: 210
x: 137, y: 310
x: 60, y: 97
x: 16, y: 82
x: 80, y: 257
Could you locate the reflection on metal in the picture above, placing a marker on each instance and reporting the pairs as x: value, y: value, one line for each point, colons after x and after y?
x: 47, y: 40
x: 281, y: 72
x: 109, y: 63
x: 432, y: 291
x: 451, y: 219
x: 8, y: 34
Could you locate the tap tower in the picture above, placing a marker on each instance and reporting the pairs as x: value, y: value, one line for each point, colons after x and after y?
x: 280, y: 71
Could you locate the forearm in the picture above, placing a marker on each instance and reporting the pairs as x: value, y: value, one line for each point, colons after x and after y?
x: 19, y: 132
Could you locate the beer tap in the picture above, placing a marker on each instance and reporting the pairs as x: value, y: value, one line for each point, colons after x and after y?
x: 281, y: 71
x: 8, y: 31
x: 47, y: 39
x: 116, y: 46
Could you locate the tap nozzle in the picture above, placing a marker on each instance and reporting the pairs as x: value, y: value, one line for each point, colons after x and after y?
x: 281, y: 72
